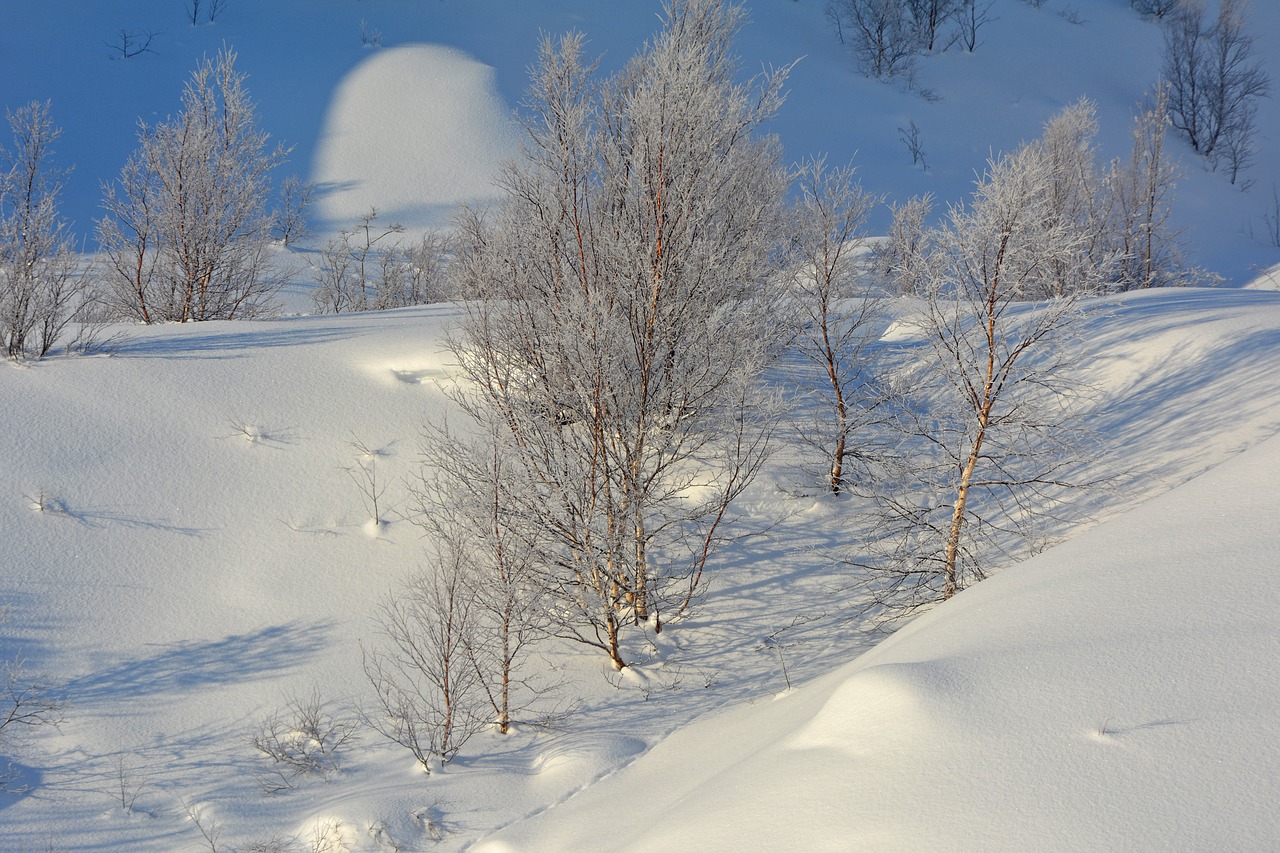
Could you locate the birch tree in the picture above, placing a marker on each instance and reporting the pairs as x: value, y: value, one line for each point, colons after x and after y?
x: 622, y: 311
x: 988, y: 437
x: 900, y: 259
x: 41, y: 289
x: 1142, y: 187
x: 187, y: 232
x: 836, y: 319
x: 463, y: 497
x: 426, y: 689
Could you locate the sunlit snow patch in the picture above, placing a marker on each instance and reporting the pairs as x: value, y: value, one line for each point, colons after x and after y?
x: 901, y: 330
x: 412, y: 131
x: 407, y: 369
x: 584, y: 756
x: 877, y: 708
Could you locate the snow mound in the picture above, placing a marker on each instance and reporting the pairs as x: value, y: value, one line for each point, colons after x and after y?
x: 412, y: 131
x: 885, y: 705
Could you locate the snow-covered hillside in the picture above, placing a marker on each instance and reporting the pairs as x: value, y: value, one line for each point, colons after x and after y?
x: 186, y: 548
x: 415, y: 125
x: 186, y: 551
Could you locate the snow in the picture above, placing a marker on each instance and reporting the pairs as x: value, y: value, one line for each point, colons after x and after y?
x: 425, y: 126
x: 186, y: 550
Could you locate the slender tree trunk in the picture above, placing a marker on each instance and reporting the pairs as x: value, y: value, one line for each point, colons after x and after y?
x: 950, y: 577
x: 611, y: 635
x: 640, y: 592
x: 504, y: 712
x: 842, y: 412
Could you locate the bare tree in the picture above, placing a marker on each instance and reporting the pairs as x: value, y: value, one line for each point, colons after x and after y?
x: 26, y: 701
x: 972, y: 16
x: 1149, y: 246
x: 462, y: 497
x: 910, y: 136
x: 836, y: 320
x: 985, y: 417
x: 425, y: 686
x: 416, y: 274
x: 1271, y: 218
x: 879, y: 32
x: 929, y: 17
x: 621, y: 309
x: 187, y: 232
x: 1214, y: 81
x: 347, y: 274
x: 129, y: 44
x: 368, y: 268
x: 1153, y: 8
x: 290, y: 220
x: 42, y: 289
x: 900, y: 259
x: 302, y: 739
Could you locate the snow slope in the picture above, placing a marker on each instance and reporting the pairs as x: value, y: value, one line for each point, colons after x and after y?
x: 186, y: 552
x: 446, y: 138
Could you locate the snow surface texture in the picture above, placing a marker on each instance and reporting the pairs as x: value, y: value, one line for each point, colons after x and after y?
x: 185, y: 550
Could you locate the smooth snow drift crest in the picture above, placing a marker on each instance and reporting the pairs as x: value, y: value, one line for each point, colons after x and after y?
x: 412, y: 131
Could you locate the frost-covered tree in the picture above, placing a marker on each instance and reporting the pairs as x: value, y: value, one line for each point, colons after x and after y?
x: 1076, y: 197
x: 426, y: 689
x: 1148, y: 246
x: 621, y: 307
x: 41, y: 289
x: 290, y: 218
x: 985, y: 418
x: 900, y: 259
x: 187, y: 232
x: 836, y: 317
x: 369, y: 268
x: 463, y: 497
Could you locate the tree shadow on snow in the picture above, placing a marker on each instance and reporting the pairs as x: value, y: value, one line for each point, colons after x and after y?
x: 95, y: 517
x: 190, y: 664
x: 223, y: 345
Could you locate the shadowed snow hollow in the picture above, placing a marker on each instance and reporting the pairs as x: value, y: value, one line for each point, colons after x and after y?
x: 412, y: 131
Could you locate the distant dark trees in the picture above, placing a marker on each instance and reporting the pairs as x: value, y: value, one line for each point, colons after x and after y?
x: 1153, y: 8
x: 1214, y: 81
x: 886, y: 35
